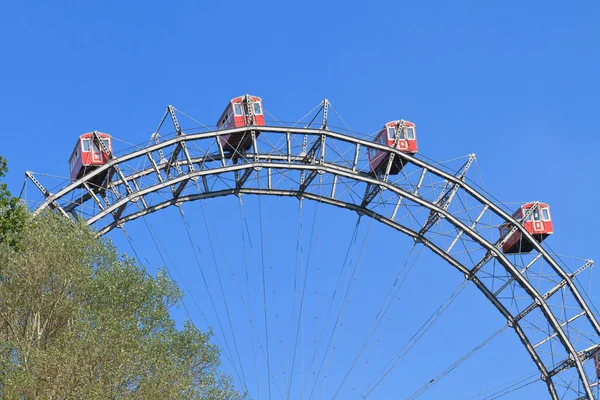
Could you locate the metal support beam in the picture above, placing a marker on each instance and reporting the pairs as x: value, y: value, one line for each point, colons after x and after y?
x: 310, y: 157
x: 123, y: 180
x: 108, y: 204
x: 393, y: 217
x: 420, y: 182
x: 240, y: 182
x: 371, y: 191
x: 333, y: 186
x: 137, y: 188
x: 269, y: 179
x: 93, y: 195
x: 221, y: 152
x: 161, y: 154
x: 105, y: 198
x: 458, y: 236
x: 254, y: 145
x: 117, y: 214
x: 288, y: 141
x: 155, y: 167
x: 180, y: 188
x: 388, y: 167
x: 188, y: 159
x: 551, y: 292
x: 114, y: 190
x: 171, y: 111
x: 173, y: 160
x: 325, y: 112
x: 304, y: 145
x: 53, y: 204
x: 355, y: 160
x: 100, y: 143
x: 582, y: 313
x: 249, y: 109
x: 155, y: 136
x: 570, y: 362
x: 446, y: 196
x: 512, y: 279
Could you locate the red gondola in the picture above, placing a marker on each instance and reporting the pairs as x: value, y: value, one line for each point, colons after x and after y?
x: 88, y: 155
x: 407, y: 143
x: 241, y: 111
x: 539, y: 224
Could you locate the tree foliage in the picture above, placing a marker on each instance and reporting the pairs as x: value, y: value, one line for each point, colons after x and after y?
x: 12, y: 213
x: 78, y: 320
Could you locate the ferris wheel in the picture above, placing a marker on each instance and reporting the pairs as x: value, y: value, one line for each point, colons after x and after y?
x: 379, y: 181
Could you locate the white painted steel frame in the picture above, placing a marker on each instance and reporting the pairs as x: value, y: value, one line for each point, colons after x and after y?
x: 314, y: 163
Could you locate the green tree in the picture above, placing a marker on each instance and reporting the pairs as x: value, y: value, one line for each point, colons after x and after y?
x: 78, y: 320
x: 12, y: 213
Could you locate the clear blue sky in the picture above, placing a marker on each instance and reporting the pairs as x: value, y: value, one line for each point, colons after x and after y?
x: 514, y: 82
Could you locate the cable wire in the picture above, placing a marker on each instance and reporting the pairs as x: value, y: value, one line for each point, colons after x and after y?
x: 455, y: 365
x: 414, y: 339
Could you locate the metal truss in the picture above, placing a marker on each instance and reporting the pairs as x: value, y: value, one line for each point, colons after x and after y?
x: 433, y: 204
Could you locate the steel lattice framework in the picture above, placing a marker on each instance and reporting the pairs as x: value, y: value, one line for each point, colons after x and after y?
x: 436, y: 207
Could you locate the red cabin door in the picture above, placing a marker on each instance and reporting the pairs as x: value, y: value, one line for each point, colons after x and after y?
x: 402, y: 143
x: 96, y: 153
x: 538, y: 224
